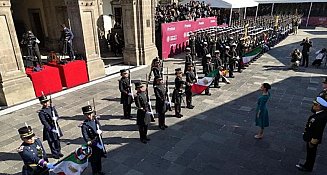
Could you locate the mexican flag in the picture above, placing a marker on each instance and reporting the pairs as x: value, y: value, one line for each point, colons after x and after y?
x: 203, y: 83
x: 247, y: 57
x: 74, y: 164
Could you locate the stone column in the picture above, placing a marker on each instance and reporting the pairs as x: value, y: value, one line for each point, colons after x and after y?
x: 138, y: 24
x: 15, y: 86
x: 83, y: 15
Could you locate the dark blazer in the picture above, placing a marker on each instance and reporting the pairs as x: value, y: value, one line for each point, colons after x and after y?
x: 315, y: 126
x: 45, y: 116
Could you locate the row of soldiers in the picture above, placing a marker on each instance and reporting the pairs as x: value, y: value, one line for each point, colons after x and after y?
x: 32, y: 152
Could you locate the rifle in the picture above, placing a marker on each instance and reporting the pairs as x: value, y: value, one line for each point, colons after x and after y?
x: 167, y: 90
x: 130, y: 81
x: 149, y: 78
x: 97, y: 127
x: 53, y: 115
x: 148, y: 97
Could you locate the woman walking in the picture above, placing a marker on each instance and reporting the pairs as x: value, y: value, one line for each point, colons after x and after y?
x: 262, y: 119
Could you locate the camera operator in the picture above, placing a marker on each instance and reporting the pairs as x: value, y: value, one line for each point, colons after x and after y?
x: 306, y: 44
x: 31, y: 43
x: 67, y: 39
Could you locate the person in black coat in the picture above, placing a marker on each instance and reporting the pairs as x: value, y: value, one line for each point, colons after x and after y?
x: 205, y: 52
x: 161, y: 103
x: 232, y: 58
x: 188, y: 58
x: 306, y: 44
x: 217, y: 64
x: 207, y: 68
x: 67, y: 37
x: 190, y: 79
x: 48, y: 116
x: 143, y: 112
x: 313, y: 132
x: 178, y: 92
x: 126, y: 95
x: 92, y: 134
x: 33, y: 154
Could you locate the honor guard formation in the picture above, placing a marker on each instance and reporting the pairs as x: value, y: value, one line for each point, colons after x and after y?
x: 220, y: 51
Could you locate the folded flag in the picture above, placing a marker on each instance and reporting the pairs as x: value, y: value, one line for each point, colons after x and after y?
x: 75, y: 163
x: 204, y: 82
x: 247, y: 57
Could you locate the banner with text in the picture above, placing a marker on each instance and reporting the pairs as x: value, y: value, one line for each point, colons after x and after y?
x: 175, y: 35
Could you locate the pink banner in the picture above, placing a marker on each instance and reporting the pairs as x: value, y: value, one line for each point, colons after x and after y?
x: 315, y: 21
x: 175, y: 34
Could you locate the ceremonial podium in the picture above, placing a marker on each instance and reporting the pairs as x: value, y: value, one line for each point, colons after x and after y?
x: 73, y: 73
x: 47, y: 80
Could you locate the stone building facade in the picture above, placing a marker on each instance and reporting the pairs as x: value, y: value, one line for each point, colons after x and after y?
x: 84, y: 17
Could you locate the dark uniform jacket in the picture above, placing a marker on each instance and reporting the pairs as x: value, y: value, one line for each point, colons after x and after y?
x: 124, y: 88
x: 315, y: 126
x: 32, y: 155
x: 156, y: 71
x: 205, y: 51
x: 141, y: 101
x: 190, y: 79
x: 160, y: 93
x: 45, y: 115
x: 89, y: 131
x: 306, y: 46
x: 208, y: 67
x: 233, y: 55
x: 178, y: 92
x: 217, y: 63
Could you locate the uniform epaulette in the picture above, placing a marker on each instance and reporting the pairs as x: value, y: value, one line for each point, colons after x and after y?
x: 20, y: 149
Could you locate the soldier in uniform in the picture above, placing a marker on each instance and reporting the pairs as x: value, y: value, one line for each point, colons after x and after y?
x: 125, y: 93
x: 178, y: 92
x: 161, y: 103
x: 67, y: 38
x: 313, y: 131
x: 143, y: 112
x: 48, y: 116
x: 207, y: 69
x: 188, y: 58
x: 32, y: 43
x: 231, y: 62
x: 190, y: 79
x: 156, y: 69
x: 33, y: 154
x: 217, y: 64
x: 92, y: 134
x: 205, y: 52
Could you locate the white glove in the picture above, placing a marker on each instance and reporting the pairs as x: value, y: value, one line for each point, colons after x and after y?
x: 149, y: 103
x: 167, y: 102
x: 99, y: 131
x: 54, y: 118
x: 130, y: 85
x: 99, y: 146
x: 130, y: 94
x: 54, y: 131
x: 149, y: 113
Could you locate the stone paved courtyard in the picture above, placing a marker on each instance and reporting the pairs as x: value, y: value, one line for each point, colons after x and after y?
x: 216, y: 137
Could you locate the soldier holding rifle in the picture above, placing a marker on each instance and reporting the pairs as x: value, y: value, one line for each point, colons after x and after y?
x: 48, y: 116
x: 143, y: 112
x: 92, y: 136
x: 126, y: 94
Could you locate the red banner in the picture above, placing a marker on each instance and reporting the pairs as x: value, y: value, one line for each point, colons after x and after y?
x: 175, y: 34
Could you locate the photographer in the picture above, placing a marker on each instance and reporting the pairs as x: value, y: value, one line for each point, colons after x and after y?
x: 296, y: 58
x: 32, y: 47
x: 306, y: 44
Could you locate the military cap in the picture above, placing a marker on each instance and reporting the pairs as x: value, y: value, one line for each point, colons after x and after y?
x: 43, y: 99
x: 155, y: 60
x: 138, y: 84
x: 158, y: 77
x: 123, y: 71
x: 87, y: 109
x: 325, y: 80
x: 217, y: 51
x: 208, y: 56
x: 191, y: 33
x: 227, y: 47
x: 188, y: 49
x: 234, y: 44
x: 322, y: 99
x: 205, y: 43
x: 26, y: 132
x: 178, y: 69
x: 189, y: 64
